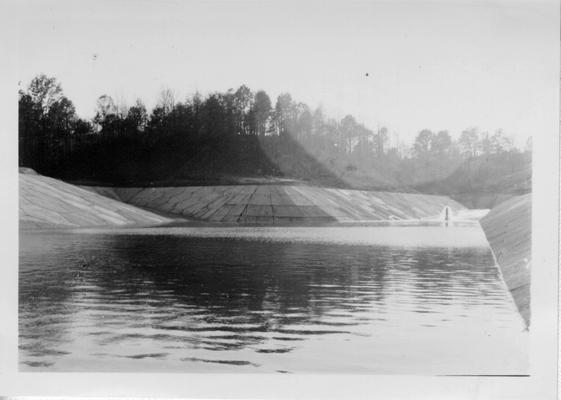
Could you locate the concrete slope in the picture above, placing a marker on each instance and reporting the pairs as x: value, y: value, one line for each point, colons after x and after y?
x: 281, y: 204
x: 47, y: 202
x: 508, y: 228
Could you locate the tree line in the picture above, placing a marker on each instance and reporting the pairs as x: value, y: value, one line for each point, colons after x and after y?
x: 233, y: 132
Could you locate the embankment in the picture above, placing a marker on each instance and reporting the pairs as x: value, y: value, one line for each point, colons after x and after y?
x: 282, y: 204
x: 508, y: 228
x: 46, y: 202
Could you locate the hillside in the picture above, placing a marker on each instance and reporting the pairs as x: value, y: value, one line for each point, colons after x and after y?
x: 240, y: 136
x: 479, y: 182
x: 173, y: 161
x: 486, y: 181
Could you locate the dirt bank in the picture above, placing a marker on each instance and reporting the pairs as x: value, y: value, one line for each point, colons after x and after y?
x: 508, y: 228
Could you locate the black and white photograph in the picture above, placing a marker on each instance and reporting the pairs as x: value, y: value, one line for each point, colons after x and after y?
x: 284, y: 188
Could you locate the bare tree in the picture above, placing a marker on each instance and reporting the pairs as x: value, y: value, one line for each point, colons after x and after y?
x: 167, y: 100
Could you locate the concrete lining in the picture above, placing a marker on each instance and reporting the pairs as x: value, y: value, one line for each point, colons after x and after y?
x: 50, y: 202
x: 508, y: 228
x: 47, y: 202
x: 272, y: 204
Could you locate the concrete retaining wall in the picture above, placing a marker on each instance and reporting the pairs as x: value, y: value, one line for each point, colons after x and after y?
x: 508, y: 228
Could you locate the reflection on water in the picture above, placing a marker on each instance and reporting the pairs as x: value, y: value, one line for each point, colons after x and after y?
x: 103, y: 301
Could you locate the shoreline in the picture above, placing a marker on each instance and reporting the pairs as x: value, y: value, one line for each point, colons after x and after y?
x: 47, y: 202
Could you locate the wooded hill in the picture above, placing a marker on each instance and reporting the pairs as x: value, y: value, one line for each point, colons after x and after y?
x: 486, y: 180
x: 239, y: 135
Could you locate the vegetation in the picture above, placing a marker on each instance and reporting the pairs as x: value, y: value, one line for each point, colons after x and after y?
x: 225, y: 136
x: 486, y: 180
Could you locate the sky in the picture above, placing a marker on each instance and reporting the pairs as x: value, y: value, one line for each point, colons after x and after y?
x: 431, y: 64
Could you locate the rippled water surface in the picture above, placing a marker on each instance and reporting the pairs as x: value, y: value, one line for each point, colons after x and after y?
x: 421, y: 300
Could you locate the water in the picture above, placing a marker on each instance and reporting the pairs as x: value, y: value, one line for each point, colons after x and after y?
x: 415, y: 300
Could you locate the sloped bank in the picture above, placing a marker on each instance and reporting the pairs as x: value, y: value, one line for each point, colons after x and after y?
x: 45, y: 202
x: 508, y: 228
x: 282, y: 204
x: 48, y: 202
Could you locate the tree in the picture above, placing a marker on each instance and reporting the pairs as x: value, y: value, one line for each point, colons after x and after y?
x: 333, y: 136
x: 29, y: 118
x: 44, y: 92
x: 47, y: 120
x: 234, y: 120
x: 423, y: 143
x: 284, y: 115
x: 380, y: 141
x: 106, y: 117
x: 260, y: 113
x: 303, y: 122
x: 349, y: 132
x: 82, y: 127
x: 61, y: 116
x: 364, y: 148
x: 29, y: 115
x: 44, y: 96
x: 105, y: 106
x: 500, y: 143
x: 214, y: 116
x: 242, y: 102
x: 318, y: 123
x: 485, y: 144
x: 211, y: 127
x: 469, y: 142
x: 196, y: 105
x: 441, y: 144
x: 166, y: 101
x: 137, y: 117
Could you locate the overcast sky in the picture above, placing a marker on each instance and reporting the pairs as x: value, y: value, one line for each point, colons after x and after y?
x: 437, y: 65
